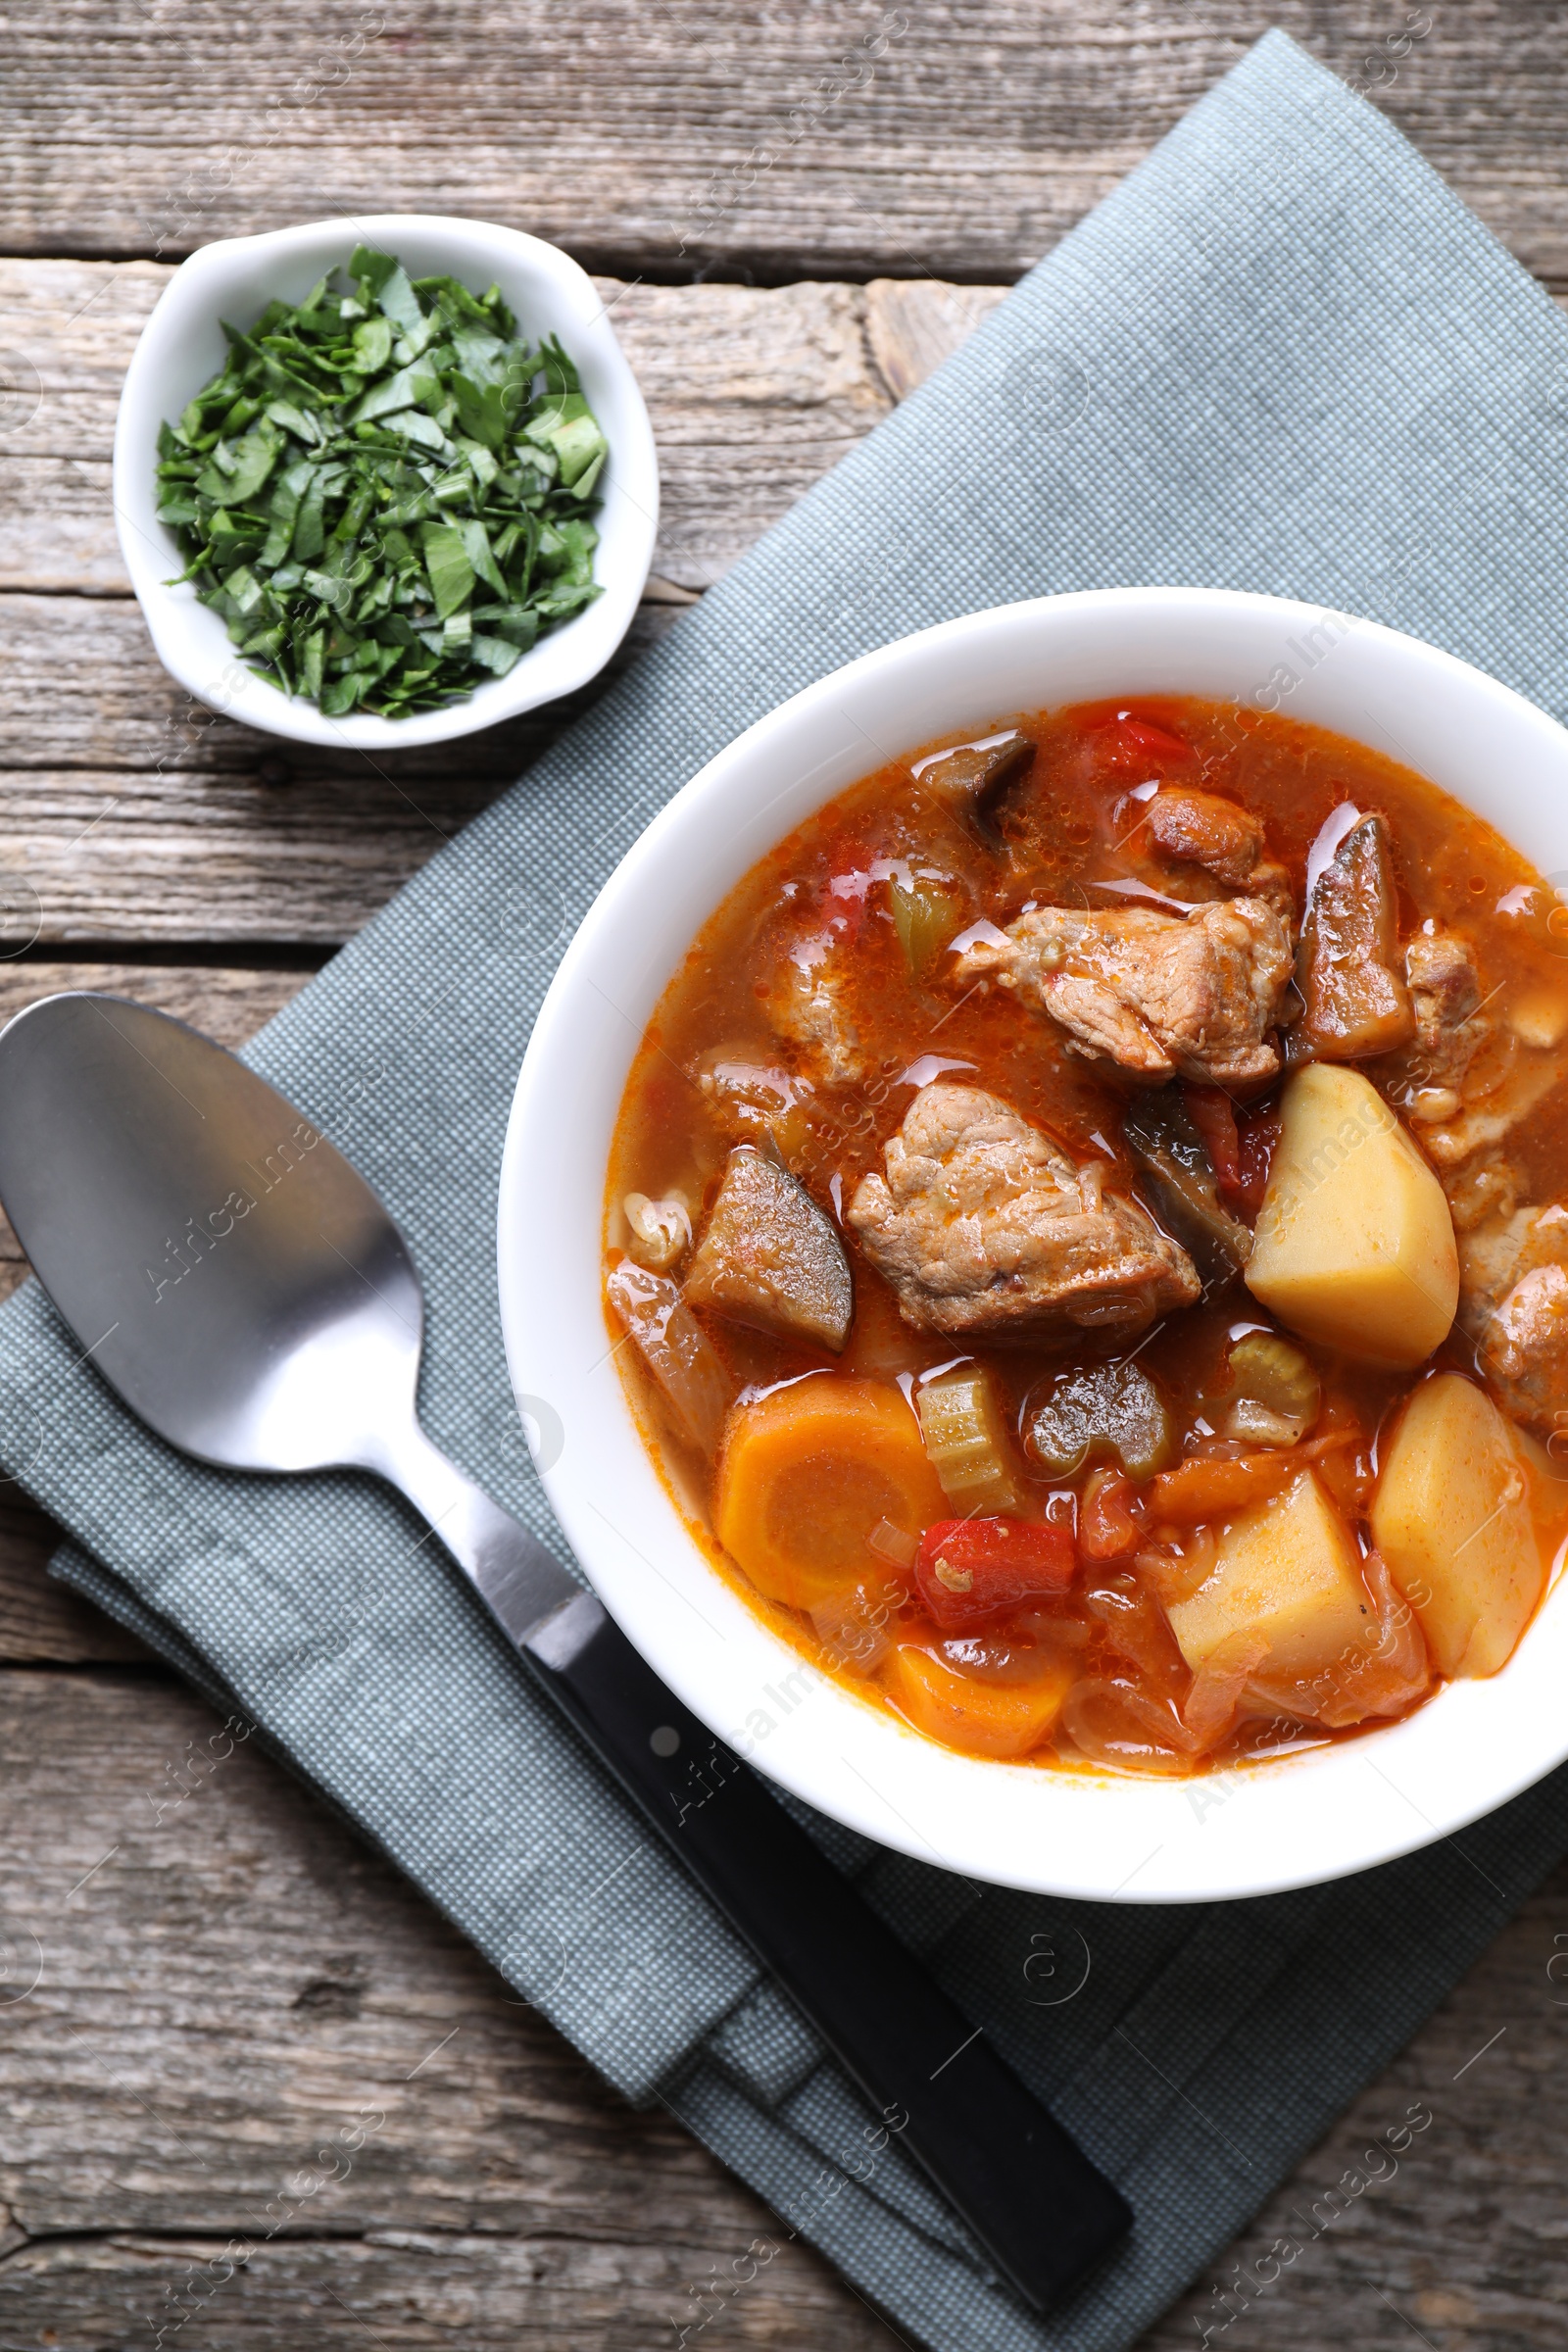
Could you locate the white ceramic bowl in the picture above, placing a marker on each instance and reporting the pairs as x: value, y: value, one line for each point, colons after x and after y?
x: 1288, y: 1823
x: 182, y: 347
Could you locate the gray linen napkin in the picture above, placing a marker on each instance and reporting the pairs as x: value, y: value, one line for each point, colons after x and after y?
x: 1281, y: 357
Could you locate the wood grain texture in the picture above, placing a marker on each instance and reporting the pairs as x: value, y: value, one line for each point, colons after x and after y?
x: 127, y: 811
x: 236, y: 1982
x: 42, y: 1622
x: 228, y: 1983
x: 834, y: 138
x: 226, y: 1977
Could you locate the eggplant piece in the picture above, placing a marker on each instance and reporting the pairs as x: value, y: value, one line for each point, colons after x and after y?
x: 1350, y: 969
x: 1160, y: 1134
x: 1100, y: 1413
x: 769, y: 1257
x: 976, y: 780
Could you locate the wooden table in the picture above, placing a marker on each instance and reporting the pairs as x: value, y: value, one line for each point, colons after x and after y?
x: 225, y: 1974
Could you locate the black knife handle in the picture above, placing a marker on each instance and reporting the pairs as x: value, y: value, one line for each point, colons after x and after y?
x: 1030, y: 2195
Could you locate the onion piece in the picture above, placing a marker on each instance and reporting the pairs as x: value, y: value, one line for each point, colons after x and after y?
x: 1394, y: 1671
x: 1384, y: 1675
x: 680, y: 1357
x: 1210, y: 1708
x: 1139, y: 1630
x: 1116, y: 1724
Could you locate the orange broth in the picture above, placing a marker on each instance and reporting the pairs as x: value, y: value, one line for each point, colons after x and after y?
x: 1072, y: 830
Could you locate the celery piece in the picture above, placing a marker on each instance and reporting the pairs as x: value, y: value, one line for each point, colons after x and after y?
x: 966, y: 1443
x: 927, y: 913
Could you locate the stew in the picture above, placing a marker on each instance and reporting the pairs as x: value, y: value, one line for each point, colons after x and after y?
x: 1085, y: 1238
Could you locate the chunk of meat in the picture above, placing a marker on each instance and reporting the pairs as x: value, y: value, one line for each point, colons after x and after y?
x: 1444, y: 988
x: 1201, y: 828
x: 1427, y: 1079
x: 1484, y: 1186
x: 1513, y: 1301
x: 807, y: 1005
x: 1501, y: 1085
x: 982, y: 1224
x: 1158, y: 993
x: 754, y: 1100
x: 1349, y: 970
x: 769, y: 1257
x: 1464, y: 1081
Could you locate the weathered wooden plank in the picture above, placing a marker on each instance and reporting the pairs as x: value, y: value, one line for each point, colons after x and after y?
x: 1453, y: 2236
x: 41, y: 1620
x: 958, y: 139
x: 227, y: 1984
x: 912, y: 324
x: 233, y: 1981
x: 127, y: 811
x: 754, y: 395
x: 229, y: 1003
x: 127, y: 855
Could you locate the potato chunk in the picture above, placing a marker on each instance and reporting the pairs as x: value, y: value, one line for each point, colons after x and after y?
x: 1451, y: 1518
x: 1355, y: 1245
x: 1290, y: 1571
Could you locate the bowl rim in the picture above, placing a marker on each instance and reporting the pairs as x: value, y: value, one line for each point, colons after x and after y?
x: 1301, y: 1820
x: 192, y: 642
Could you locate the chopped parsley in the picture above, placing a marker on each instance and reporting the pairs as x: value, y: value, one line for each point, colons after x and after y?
x: 385, y: 493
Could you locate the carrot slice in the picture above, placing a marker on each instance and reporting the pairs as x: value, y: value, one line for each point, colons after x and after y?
x: 809, y: 1475
x: 1202, y: 1490
x: 1209, y: 1488
x: 985, y: 1719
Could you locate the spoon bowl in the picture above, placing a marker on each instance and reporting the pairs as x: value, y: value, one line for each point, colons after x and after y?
x: 232, y: 1276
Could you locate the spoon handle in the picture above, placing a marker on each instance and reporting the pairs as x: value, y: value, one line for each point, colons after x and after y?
x: 1036, y: 2205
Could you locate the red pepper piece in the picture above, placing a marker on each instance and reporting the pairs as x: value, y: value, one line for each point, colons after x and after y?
x: 1257, y: 1138
x: 1153, y: 740
x: 969, y: 1572
x: 1137, y: 743
x: 1213, y: 1114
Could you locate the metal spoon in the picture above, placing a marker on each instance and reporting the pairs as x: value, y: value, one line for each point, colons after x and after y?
x: 246, y: 1293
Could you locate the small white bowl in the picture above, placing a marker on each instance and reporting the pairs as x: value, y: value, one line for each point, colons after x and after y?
x: 1288, y: 1823
x: 182, y: 347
